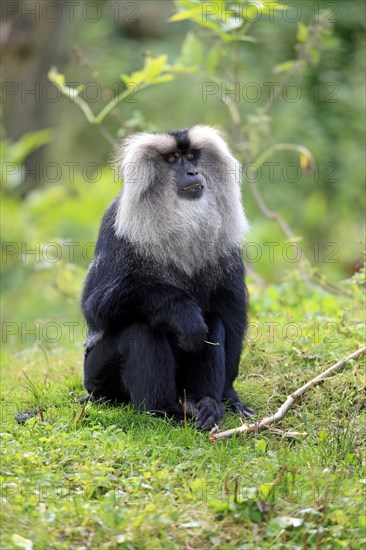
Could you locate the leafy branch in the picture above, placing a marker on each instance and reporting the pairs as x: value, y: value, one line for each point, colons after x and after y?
x: 155, y: 71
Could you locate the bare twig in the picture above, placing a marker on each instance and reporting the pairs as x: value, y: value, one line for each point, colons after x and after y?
x: 270, y: 214
x: 293, y: 398
x: 212, y: 343
x: 82, y: 411
x: 185, y: 407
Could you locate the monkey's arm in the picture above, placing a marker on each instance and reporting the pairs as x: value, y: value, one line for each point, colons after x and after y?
x: 170, y: 306
x: 120, y: 290
x: 112, y: 300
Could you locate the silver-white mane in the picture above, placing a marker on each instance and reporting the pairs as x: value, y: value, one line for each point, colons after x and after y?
x: 186, y: 234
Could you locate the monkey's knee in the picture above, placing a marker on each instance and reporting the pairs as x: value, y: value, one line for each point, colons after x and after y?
x: 134, y: 337
x: 149, y: 369
x: 102, y: 371
x: 92, y: 378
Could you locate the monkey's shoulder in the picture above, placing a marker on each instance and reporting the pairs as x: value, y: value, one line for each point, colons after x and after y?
x: 106, y: 231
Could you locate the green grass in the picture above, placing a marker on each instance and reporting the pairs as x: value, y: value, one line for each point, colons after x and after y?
x: 119, y: 479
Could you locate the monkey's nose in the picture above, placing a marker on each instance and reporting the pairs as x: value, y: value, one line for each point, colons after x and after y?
x: 192, y: 173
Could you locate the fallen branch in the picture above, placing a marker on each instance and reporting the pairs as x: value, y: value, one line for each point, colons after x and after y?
x: 282, y: 411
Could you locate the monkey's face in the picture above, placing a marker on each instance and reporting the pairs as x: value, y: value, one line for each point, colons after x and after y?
x: 181, y: 190
x: 183, y: 165
x: 188, y: 165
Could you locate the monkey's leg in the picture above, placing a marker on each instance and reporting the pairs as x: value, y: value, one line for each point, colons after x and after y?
x: 205, y: 376
x: 233, y: 347
x: 149, y: 370
x: 102, y: 371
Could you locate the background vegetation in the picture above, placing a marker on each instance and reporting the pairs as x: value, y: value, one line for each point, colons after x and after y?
x: 113, y: 478
x: 66, y: 185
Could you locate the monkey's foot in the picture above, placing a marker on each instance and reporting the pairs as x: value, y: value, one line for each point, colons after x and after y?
x: 209, y: 413
x: 242, y: 409
x: 25, y: 415
x: 86, y: 397
x: 189, y: 408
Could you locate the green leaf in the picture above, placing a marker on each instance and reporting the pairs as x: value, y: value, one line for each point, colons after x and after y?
x: 251, y: 12
x: 210, y: 18
x: 56, y: 77
x: 154, y: 66
x: 261, y: 445
x: 191, y: 52
x: 218, y: 506
x: 151, y: 72
x: 351, y: 458
x: 188, y: 14
x: 284, y: 67
x: 315, y: 56
x: 183, y: 70
x: 339, y: 517
x: 59, y: 80
x: 136, y: 77
x: 306, y: 160
x: 302, y: 32
x: 163, y: 78
x: 265, y: 490
x: 255, y: 515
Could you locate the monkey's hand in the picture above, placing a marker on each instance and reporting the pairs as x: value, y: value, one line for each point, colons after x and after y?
x: 193, y: 340
x: 191, y: 328
x: 209, y: 413
x: 191, y: 336
x: 184, y: 318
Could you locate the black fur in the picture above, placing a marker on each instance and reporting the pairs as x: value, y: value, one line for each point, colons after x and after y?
x: 147, y: 336
x: 182, y: 139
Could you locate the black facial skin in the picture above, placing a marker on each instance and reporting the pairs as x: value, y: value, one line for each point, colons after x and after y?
x: 189, y: 180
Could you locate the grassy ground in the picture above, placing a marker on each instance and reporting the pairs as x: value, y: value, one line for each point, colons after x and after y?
x: 115, y: 478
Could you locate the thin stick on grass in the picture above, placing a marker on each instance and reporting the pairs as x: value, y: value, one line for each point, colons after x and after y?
x: 185, y: 407
x: 293, y: 398
x: 82, y: 411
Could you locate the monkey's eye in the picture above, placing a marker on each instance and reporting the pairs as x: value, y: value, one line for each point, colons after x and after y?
x: 191, y: 155
x: 172, y: 157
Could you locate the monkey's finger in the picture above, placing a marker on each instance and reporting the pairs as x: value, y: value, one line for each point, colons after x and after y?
x: 244, y: 410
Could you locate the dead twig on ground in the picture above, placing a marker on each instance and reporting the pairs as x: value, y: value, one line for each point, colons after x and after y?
x: 293, y: 398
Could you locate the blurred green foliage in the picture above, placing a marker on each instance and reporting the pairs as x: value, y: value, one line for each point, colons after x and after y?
x: 59, y: 218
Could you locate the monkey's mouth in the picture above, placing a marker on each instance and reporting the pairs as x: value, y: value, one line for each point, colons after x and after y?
x: 192, y: 191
